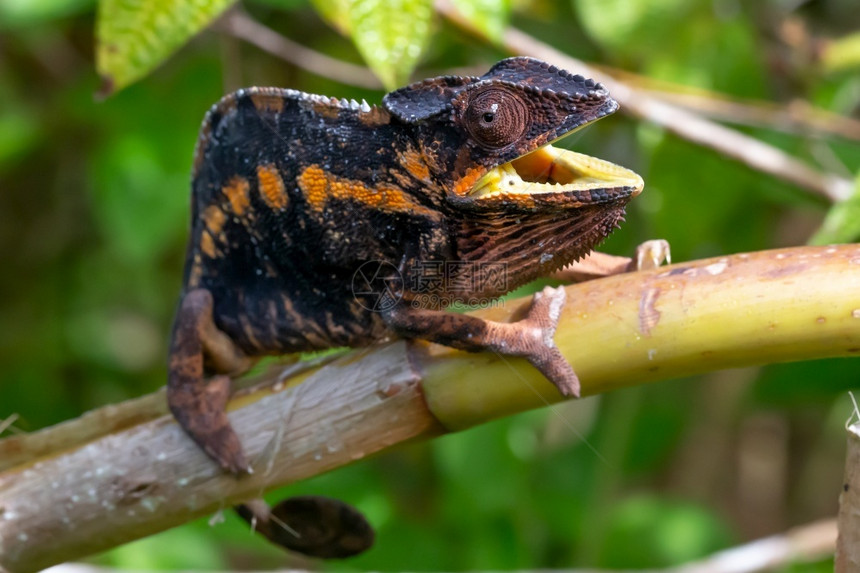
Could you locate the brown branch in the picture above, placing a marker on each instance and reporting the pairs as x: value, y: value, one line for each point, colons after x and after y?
x: 805, y: 543
x: 242, y: 26
x: 797, y: 117
x: 65, y: 501
x: 134, y: 482
x: 731, y: 143
x: 801, y: 544
x: 848, y: 544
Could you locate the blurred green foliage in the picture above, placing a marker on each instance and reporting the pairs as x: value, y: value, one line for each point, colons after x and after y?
x: 389, y: 34
x: 93, y: 218
x: 134, y: 37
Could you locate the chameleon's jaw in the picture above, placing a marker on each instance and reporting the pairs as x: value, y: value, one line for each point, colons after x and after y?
x: 560, y: 172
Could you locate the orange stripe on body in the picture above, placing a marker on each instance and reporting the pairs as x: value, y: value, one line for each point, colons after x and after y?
x: 214, y: 218
x: 207, y: 245
x: 318, y: 187
x: 236, y: 191
x: 271, y: 185
x: 415, y: 165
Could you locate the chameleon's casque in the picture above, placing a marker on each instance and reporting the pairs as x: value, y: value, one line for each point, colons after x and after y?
x: 292, y: 193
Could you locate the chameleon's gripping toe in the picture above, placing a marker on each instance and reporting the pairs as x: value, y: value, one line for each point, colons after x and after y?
x: 312, y: 525
x: 542, y: 319
x: 652, y: 254
x: 530, y: 337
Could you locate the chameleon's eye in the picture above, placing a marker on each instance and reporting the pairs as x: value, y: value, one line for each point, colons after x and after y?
x: 496, y: 117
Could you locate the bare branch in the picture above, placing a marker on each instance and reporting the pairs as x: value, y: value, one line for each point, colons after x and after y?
x: 801, y: 544
x: 848, y: 544
x: 797, y: 117
x: 731, y: 143
x: 122, y: 484
x: 242, y: 26
x: 130, y: 483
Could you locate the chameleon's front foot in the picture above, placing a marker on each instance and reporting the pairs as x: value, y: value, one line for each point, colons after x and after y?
x: 544, y: 355
x: 531, y: 337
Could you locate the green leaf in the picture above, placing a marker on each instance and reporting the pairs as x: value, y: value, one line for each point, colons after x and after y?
x: 335, y: 12
x: 842, y: 224
x: 489, y: 16
x: 613, y: 23
x: 19, y: 132
x: 15, y: 13
x: 657, y: 532
x: 843, y: 54
x: 389, y: 34
x: 134, y: 37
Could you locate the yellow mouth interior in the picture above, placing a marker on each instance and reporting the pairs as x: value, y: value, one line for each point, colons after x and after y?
x: 553, y: 170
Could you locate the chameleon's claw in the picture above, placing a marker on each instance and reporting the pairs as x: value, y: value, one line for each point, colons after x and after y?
x: 651, y: 254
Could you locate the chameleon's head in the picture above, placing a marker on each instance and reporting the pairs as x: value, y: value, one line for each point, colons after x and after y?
x: 487, y: 140
x: 513, y: 198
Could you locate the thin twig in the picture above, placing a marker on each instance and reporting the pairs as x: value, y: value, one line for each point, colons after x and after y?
x: 797, y: 117
x: 7, y: 423
x: 848, y: 545
x: 806, y: 543
x: 242, y: 26
x: 690, y: 126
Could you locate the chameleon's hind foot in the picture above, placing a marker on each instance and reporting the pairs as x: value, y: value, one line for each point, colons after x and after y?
x: 199, y: 404
x: 312, y: 525
x: 201, y: 413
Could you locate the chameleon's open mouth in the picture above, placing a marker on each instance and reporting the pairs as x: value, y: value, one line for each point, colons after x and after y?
x: 553, y: 170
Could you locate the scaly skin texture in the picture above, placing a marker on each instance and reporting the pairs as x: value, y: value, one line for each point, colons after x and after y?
x: 293, y: 193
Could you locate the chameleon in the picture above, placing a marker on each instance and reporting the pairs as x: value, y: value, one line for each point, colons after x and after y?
x: 451, y: 183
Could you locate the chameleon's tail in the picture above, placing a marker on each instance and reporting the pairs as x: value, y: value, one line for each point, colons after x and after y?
x: 312, y: 525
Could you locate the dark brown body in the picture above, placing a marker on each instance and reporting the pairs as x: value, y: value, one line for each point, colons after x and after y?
x: 282, y: 259
x: 292, y: 194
